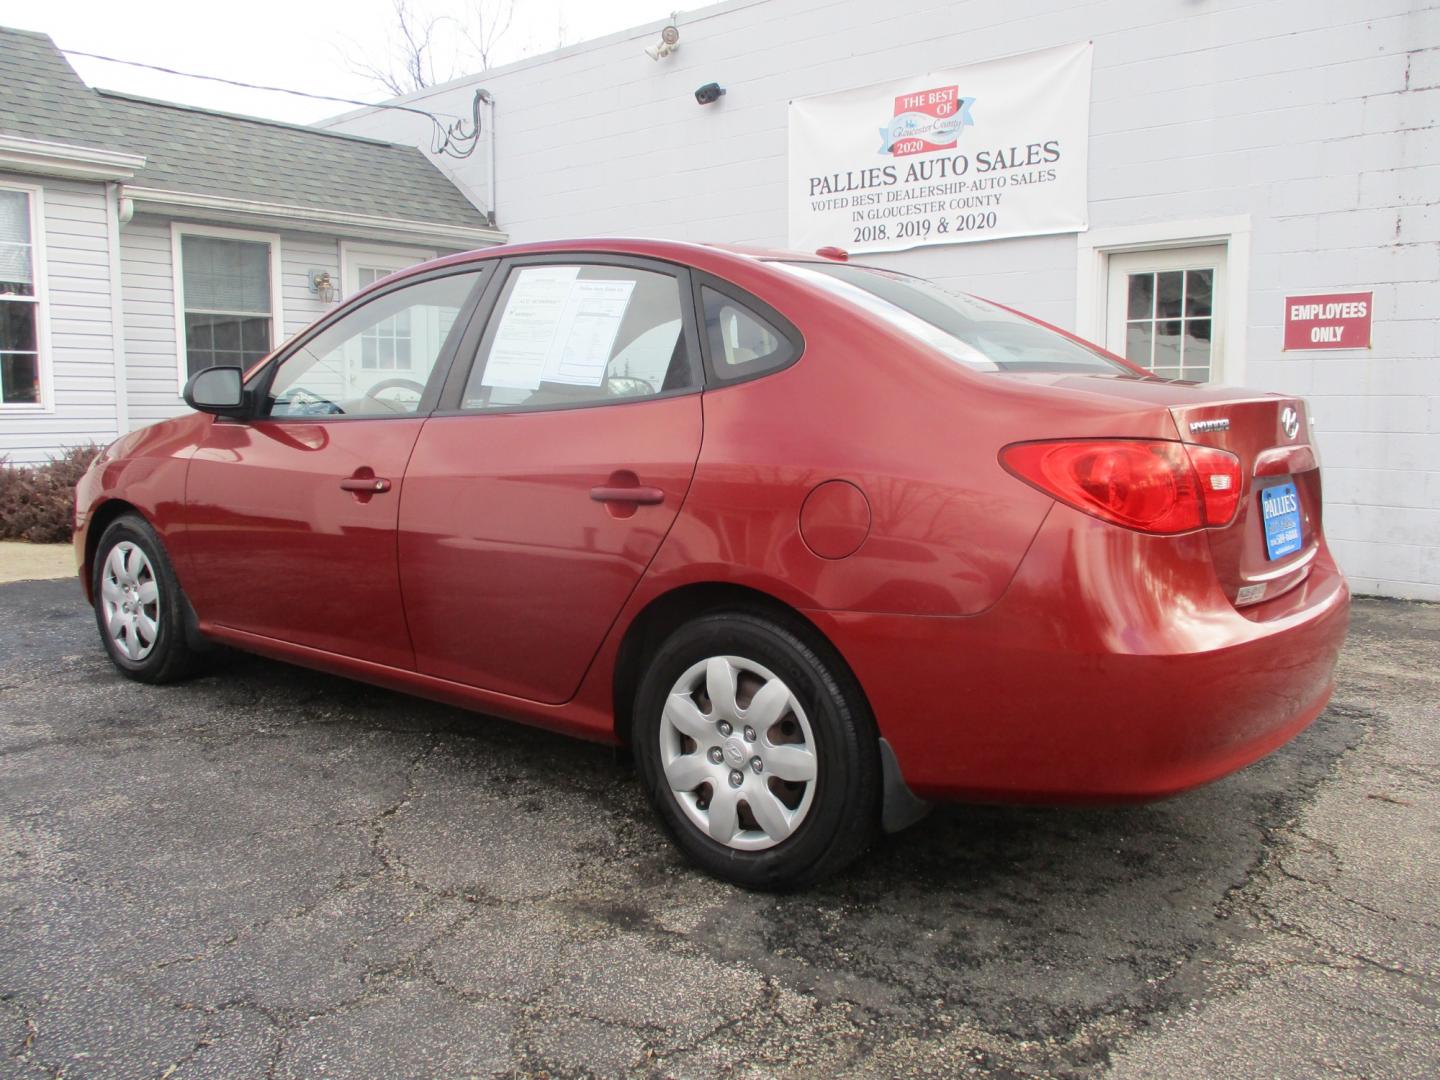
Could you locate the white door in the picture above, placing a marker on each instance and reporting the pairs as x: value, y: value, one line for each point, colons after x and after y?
x: 364, y: 266
x: 385, y: 355
x: 1164, y: 311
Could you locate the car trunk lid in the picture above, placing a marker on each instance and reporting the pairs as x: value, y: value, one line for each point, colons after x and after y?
x: 1270, y: 434
x: 1268, y: 547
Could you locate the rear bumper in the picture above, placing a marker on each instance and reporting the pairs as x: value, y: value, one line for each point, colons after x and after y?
x: 1092, y: 681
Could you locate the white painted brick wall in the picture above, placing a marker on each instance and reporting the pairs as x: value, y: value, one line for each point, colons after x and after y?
x: 1317, y: 119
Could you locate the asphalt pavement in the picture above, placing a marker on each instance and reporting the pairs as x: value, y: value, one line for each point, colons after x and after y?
x: 267, y: 872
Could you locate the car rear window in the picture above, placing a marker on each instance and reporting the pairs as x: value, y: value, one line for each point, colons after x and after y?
x: 973, y: 332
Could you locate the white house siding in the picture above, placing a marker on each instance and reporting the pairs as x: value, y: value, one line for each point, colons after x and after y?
x: 80, y: 358
x: 300, y: 254
x: 148, y: 292
x: 1319, y: 120
x: 152, y: 348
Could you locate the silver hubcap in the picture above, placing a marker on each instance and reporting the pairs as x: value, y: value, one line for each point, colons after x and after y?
x: 738, y: 753
x: 130, y: 598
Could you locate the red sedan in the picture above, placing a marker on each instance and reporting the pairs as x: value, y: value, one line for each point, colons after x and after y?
x: 821, y: 542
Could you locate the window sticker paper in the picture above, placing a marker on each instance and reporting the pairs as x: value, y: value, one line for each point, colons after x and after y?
x: 528, y: 327
x: 585, y: 337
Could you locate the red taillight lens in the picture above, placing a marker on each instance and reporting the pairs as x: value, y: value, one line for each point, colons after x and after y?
x: 1152, y: 486
x: 1219, y: 472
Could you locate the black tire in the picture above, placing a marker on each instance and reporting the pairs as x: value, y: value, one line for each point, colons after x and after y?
x: 169, y: 656
x: 843, y: 813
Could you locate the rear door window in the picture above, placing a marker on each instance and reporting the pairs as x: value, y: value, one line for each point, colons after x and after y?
x: 565, y: 335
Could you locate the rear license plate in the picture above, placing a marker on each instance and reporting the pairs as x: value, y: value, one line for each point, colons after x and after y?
x: 1280, y: 510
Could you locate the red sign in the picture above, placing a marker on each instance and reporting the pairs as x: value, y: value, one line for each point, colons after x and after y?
x: 924, y: 121
x: 1328, y: 321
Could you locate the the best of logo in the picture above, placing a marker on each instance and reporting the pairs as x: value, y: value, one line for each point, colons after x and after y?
x: 926, y: 120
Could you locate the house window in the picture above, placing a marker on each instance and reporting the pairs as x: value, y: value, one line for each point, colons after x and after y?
x: 228, y: 293
x: 19, y: 304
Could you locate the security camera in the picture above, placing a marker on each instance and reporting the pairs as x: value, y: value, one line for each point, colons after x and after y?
x: 709, y: 93
x: 669, y: 42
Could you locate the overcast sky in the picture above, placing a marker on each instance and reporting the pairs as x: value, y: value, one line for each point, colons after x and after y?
x: 312, y: 46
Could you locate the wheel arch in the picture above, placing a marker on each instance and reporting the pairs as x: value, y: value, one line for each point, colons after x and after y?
x: 675, y: 607
x: 900, y: 807
x: 99, y: 520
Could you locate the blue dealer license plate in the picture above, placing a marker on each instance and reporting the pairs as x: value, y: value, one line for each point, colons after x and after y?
x: 1280, y: 510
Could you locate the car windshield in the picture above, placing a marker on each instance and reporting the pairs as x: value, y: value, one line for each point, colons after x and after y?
x: 976, y: 333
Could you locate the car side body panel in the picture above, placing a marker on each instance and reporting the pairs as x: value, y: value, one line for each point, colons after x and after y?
x: 277, y: 545
x: 1090, y: 682
x: 145, y: 469
x: 513, y: 571
x: 1011, y: 647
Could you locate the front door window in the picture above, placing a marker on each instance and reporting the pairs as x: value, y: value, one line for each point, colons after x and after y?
x: 376, y: 360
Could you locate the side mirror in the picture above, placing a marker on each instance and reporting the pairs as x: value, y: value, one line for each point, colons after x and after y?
x: 218, y: 390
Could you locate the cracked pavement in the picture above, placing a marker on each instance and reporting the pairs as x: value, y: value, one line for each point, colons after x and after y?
x: 270, y: 872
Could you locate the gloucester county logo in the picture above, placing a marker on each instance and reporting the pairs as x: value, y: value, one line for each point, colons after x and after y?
x: 925, y: 121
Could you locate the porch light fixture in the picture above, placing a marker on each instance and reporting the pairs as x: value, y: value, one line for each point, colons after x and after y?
x: 322, y: 285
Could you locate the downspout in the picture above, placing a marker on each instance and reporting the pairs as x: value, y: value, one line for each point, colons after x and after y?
x: 117, y: 308
x: 489, y: 100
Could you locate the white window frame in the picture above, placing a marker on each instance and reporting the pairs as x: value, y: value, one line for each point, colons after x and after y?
x: 44, y: 354
x: 352, y: 251
x: 1092, y: 280
x: 180, y: 229
x: 1124, y: 264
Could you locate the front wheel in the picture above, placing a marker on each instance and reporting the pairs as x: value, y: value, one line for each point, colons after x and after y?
x: 138, y: 607
x: 757, y: 751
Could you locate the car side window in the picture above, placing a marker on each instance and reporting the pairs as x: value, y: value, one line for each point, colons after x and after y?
x: 376, y: 360
x: 565, y: 335
x: 742, y: 343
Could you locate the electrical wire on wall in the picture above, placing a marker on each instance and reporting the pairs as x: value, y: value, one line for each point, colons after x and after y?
x: 451, y: 139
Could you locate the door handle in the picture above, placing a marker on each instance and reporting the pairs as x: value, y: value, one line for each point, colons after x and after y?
x: 642, y: 496
x: 368, y: 485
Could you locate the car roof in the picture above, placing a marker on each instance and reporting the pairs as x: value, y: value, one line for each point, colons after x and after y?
x: 686, y: 252
x: 703, y: 256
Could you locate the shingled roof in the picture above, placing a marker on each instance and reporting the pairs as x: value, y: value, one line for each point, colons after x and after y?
x: 202, y: 152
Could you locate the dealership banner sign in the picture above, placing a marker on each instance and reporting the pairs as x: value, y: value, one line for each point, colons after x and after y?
x: 971, y: 153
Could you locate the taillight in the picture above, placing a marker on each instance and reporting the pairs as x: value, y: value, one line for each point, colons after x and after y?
x: 1152, y: 486
x: 1219, y: 472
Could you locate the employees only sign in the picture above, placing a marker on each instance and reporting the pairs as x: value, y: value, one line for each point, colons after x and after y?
x: 973, y: 153
x: 1328, y: 321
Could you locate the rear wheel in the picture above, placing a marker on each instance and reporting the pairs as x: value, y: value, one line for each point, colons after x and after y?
x: 757, y: 752
x: 138, y: 607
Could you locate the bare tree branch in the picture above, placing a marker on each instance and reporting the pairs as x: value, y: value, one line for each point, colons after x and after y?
x: 492, y: 20
x: 417, y: 36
